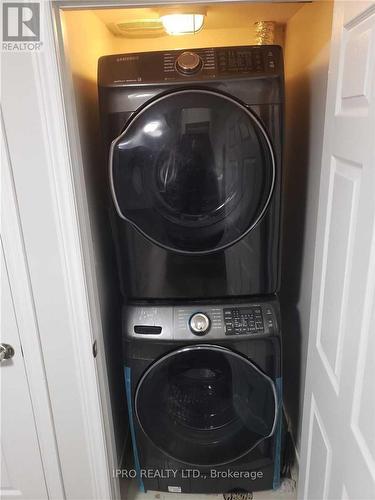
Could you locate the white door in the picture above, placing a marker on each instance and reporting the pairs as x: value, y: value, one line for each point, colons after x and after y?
x: 338, y: 433
x: 21, y: 467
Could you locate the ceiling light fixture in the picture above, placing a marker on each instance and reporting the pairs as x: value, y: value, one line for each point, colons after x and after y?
x: 182, y: 23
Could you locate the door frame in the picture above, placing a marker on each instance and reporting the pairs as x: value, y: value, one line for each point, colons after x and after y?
x: 58, y: 256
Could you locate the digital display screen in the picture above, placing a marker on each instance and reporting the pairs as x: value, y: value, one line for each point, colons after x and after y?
x: 241, y: 60
x: 246, y: 311
x: 244, y: 59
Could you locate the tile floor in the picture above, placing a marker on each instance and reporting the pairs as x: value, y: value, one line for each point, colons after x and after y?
x: 129, y: 491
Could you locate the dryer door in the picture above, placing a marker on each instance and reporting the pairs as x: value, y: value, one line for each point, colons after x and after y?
x: 193, y: 171
x: 205, y: 405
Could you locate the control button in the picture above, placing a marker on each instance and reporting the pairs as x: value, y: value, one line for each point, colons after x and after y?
x: 199, y: 323
x: 229, y: 330
x: 188, y: 63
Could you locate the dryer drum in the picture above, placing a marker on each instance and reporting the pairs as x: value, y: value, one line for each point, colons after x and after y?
x: 205, y: 405
x: 193, y: 171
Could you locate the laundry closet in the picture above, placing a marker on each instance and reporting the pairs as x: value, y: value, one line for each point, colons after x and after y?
x: 303, y: 30
x: 198, y: 286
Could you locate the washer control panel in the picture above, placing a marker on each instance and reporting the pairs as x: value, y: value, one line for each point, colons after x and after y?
x: 211, y: 321
x: 242, y: 320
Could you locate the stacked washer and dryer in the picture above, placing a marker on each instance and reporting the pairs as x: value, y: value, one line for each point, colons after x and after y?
x: 194, y: 141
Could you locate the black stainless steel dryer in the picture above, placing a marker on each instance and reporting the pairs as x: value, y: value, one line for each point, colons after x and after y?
x: 203, y: 384
x: 194, y: 146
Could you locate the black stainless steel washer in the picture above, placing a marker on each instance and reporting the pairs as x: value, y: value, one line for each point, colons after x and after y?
x: 209, y: 403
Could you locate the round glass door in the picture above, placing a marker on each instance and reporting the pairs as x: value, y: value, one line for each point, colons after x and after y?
x: 193, y: 171
x: 205, y: 405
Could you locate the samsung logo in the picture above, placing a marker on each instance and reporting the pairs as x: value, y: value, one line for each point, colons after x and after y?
x: 127, y: 58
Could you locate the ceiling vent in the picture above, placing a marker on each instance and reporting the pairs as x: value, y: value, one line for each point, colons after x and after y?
x: 139, y: 28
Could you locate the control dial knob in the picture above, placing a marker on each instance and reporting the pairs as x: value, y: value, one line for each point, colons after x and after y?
x: 188, y: 63
x: 199, y: 323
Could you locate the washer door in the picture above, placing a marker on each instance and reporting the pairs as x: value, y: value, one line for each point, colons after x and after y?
x: 193, y: 171
x: 205, y: 405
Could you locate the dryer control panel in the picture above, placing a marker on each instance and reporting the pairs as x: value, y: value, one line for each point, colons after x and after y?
x: 208, y: 321
x: 182, y: 66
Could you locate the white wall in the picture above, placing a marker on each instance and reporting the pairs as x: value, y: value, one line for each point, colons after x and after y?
x: 306, y: 70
